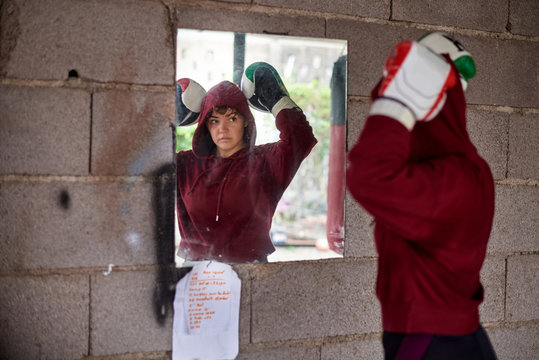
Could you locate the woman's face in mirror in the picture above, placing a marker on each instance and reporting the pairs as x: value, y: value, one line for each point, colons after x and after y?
x: 226, y: 127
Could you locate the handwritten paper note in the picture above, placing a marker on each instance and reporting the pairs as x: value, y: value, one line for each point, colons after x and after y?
x: 206, y: 313
x: 208, y: 299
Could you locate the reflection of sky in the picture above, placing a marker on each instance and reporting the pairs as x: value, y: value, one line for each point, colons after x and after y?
x: 207, y: 56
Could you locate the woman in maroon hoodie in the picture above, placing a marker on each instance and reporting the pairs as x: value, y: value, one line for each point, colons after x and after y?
x: 228, y: 188
x: 432, y: 197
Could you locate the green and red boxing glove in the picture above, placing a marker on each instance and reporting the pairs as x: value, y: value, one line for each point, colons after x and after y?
x: 264, y: 89
x: 442, y: 43
x: 414, y: 84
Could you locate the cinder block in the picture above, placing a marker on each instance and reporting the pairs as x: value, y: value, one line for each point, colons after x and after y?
x: 249, y: 21
x: 358, y: 230
x: 357, y: 113
x: 515, y: 219
x: 493, y: 280
x: 523, y: 149
x: 44, y: 317
x: 132, y: 132
x: 505, y: 71
x: 244, y: 273
x: 488, y: 131
x: 469, y: 14
x: 364, y: 8
x: 367, y: 54
x: 123, y: 318
x: 523, y: 17
x: 83, y: 224
x: 370, y: 349
x: 282, y: 352
x: 522, y: 288
x: 520, y: 343
x: 121, y: 41
x: 312, y: 300
x: 44, y: 130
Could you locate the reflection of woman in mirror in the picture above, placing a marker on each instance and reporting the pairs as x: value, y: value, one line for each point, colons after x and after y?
x: 228, y: 188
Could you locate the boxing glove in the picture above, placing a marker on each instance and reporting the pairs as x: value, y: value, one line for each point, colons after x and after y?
x: 264, y: 89
x: 442, y: 43
x: 414, y: 84
x: 189, y: 95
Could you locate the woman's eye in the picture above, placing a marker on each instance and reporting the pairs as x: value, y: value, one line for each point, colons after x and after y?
x: 232, y: 119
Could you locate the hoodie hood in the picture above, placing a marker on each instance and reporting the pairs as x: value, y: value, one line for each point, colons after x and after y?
x: 446, y: 134
x: 223, y: 94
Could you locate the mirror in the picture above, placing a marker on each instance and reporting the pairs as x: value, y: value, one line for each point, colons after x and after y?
x: 309, y: 220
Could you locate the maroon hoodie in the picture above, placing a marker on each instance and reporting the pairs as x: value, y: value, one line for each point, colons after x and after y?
x: 226, y: 205
x: 432, y: 197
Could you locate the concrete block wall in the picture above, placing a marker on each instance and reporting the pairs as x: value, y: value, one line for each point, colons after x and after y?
x: 86, y: 176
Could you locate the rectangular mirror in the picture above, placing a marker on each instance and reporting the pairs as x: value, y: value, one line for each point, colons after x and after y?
x: 309, y: 220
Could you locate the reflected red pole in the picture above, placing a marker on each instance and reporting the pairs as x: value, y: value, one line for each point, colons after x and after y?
x: 337, y: 158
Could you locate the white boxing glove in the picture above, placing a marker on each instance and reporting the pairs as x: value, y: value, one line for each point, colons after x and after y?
x: 442, y: 43
x: 189, y: 95
x: 414, y: 85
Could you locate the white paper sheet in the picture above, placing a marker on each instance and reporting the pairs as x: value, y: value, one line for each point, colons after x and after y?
x: 206, y: 313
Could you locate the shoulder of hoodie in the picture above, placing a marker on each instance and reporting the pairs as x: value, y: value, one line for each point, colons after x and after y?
x: 263, y: 149
x: 184, y: 156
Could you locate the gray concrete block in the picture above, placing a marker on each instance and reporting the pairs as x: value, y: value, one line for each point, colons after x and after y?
x: 493, y: 279
x: 523, y: 146
x: 363, y: 8
x: 488, y: 131
x: 44, y: 130
x: 515, y: 219
x: 78, y: 224
x: 123, y: 318
x: 44, y: 317
x: 370, y: 349
x: 469, y: 14
x: 359, y: 224
x: 505, y: 71
x: 311, y: 300
x: 357, y: 113
x: 522, y: 288
x: 132, y: 132
x: 367, y: 53
x: 358, y: 230
x: 121, y: 41
x: 515, y: 343
x: 523, y: 17
x: 244, y: 273
x: 282, y: 352
x: 249, y: 21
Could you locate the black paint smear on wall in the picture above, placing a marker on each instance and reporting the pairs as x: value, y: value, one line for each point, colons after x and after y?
x: 64, y: 200
x: 164, y: 184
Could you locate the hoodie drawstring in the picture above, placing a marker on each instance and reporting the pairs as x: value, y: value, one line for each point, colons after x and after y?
x: 220, y: 192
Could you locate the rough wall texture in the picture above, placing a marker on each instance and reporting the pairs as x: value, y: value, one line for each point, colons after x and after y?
x: 86, y: 163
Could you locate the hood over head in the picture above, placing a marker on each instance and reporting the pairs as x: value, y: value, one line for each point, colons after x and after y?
x: 228, y: 94
x: 446, y: 134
